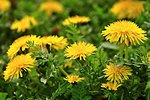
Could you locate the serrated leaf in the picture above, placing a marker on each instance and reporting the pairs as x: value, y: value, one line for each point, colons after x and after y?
x: 61, y: 90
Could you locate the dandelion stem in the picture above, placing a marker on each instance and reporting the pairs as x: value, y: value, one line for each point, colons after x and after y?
x: 148, y: 94
x: 121, y: 52
x: 63, y: 71
x: 126, y: 53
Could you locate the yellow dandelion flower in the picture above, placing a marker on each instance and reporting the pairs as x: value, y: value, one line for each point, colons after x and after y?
x: 73, y: 78
x: 75, y: 20
x: 17, y: 65
x: 4, y: 5
x: 21, y: 44
x: 110, y: 86
x: 116, y: 73
x: 68, y: 64
x: 55, y: 42
x: 124, y: 32
x: 22, y: 25
x: 50, y: 7
x: 80, y: 50
x: 127, y: 9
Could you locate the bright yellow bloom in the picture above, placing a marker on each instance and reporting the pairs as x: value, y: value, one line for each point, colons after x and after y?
x: 22, y: 25
x: 20, y: 44
x: 68, y: 64
x: 110, y: 86
x: 80, y: 50
x: 127, y: 9
x: 124, y: 32
x: 73, y: 78
x: 17, y: 65
x: 76, y: 20
x: 50, y: 7
x: 4, y: 5
x: 116, y: 73
x: 55, y: 42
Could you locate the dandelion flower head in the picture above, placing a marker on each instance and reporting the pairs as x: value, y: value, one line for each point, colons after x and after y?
x: 68, y: 64
x: 124, y: 32
x: 73, y: 78
x: 22, y: 25
x: 116, y: 73
x: 50, y: 7
x: 80, y: 50
x: 110, y: 86
x: 21, y: 44
x: 17, y: 65
x: 127, y: 9
x: 75, y: 20
x: 4, y: 5
x: 55, y: 42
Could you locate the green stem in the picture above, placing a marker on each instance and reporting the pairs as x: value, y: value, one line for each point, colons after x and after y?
x: 63, y: 71
x: 122, y: 96
x: 126, y: 53
x: 148, y: 95
x: 121, y: 52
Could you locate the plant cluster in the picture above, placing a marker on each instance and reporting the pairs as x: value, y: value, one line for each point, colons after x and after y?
x: 74, y: 50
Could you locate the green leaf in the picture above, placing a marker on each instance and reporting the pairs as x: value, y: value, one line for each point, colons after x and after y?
x: 61, y: 90
x: 3, y: 95
x: 110, y: 95
x: 33, y: 74
x: 148, y: 85
x: 80, y: 92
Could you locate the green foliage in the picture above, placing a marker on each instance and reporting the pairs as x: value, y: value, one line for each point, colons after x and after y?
x: 3, y: 95
x: 79, y: 92
x: 72, y: 33
x: 63, y: 88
